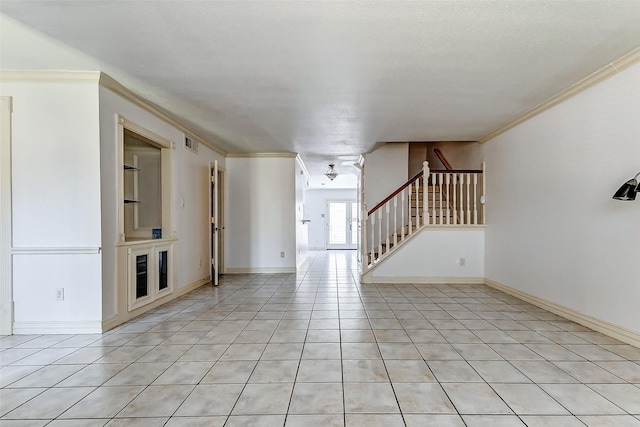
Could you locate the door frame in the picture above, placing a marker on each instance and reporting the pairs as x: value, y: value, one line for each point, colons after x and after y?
x: 218, y: 185
x: 6, y: 230
x: 350, y: 245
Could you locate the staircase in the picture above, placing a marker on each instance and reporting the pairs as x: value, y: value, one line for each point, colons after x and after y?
x: 432, y: 198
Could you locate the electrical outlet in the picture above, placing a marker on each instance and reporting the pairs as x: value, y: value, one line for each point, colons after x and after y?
x: 59, y: 294
x: 462, y: 262
x: 281, y: 254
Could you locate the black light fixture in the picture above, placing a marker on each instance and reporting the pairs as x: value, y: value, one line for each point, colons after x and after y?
x: 331, y: 172
x: 628, y: 190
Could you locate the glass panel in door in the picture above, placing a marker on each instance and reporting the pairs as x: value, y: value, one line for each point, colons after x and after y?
x: 342, y: 230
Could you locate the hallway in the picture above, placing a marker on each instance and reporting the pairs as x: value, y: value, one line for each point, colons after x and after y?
x: 316, y: 348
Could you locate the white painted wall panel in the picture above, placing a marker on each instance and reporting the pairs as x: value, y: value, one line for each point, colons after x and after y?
x: 261, y: 223
x: 435, y: 253
x: 55, y: 164
x: 553, y: 230
x: 385, y: 170
x: 36, y: 278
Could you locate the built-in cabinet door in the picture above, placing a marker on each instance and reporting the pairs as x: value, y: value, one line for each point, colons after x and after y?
x: 150, y: 273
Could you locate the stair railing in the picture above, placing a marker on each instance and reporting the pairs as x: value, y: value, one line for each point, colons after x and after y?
x: 430, y: 198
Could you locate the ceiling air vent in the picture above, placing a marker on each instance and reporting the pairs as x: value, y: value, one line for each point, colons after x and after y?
x: 191, y: 144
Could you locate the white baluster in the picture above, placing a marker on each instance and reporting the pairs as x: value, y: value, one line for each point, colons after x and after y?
x: 386, y: 207
x: 395, y: 220
x: 417, y: 203
x: 455, y: 192
x: 402, y: 212
x: 373, y: 240
x: 410, y: 218
x: 379, y: 233
x: 475, y: 198
x: 468, y: 203
x: 440, y: 182
x: 364, y: 250
x: 448, y: 189
x: 433, y: 198
x: 462, y: 199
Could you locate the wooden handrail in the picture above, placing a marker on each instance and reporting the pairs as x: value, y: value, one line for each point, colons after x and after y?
x: 412, y: 180
x: 442, y: 159
x: 402, y: 187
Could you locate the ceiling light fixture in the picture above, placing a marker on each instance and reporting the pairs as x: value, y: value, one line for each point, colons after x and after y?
x: 628, y: 190
x: 331, y: 172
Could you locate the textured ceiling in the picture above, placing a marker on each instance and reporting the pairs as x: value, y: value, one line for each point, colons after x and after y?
x: 327, y: 79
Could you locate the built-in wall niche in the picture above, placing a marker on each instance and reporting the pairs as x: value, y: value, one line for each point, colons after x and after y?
x: 142, y: 169
x: 146, y: 232
x: 145, y: 170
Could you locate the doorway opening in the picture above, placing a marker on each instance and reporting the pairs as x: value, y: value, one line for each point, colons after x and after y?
x: 216, y: 222
x: 342, y: 225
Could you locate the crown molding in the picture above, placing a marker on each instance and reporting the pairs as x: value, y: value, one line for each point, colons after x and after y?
x: 110, y: 83
x: 49, y: 76
x: 262, y: 155
x: 602, y: 74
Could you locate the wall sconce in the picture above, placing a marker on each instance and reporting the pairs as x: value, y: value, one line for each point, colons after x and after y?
x: 331, y: 172
x: 628, y: 190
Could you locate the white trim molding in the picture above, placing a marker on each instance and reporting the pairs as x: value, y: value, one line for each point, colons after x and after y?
x: 50, y: 76
x: 263, y: 155
x: 428, y: 280
x: 55, y: 251
x: 37, y: 328
x: 604, y: 73
x: 607, y: 328
x: 6, y: 286
x: 264, y: 270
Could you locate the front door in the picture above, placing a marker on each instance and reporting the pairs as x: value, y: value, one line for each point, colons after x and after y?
x: 342, y: 225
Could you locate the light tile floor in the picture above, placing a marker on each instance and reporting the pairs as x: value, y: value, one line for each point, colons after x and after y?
x: 318, y: 349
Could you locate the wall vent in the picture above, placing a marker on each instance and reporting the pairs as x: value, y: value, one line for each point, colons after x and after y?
x: 191, y: 144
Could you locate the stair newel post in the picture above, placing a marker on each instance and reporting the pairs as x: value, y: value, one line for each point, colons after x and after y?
x: 425, y: 192
x: 379, y: 233
x: 363, y: 235
x: 468, y: 203
x: 388, y: 214
x: 402, y: 213
x: 475, y: 198
x: 455, y: 192
x: 462, y: 198
x: 395, y: 220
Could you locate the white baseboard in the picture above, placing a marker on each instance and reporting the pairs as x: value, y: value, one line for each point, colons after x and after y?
x: 193, y: 286
x: 263, y: 270
x: 428, y: 280
x: 109, y: 323
x: 117, y: 320
x: 612, y: 330
x: 37, y: 328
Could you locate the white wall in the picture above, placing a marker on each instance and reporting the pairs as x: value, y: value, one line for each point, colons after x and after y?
x: 316, y: 211
x: 262, y: 213
x: 385, y: 169
x: 434, y: 256
x: 553, y: 230
x: 56, y: 206
x: 191, y: 187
